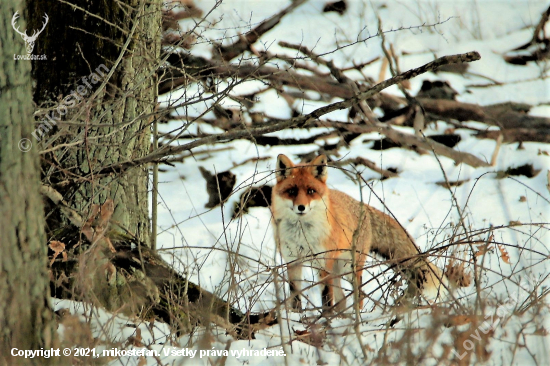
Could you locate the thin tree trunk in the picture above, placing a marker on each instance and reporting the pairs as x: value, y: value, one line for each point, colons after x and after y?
x: 26, y: 320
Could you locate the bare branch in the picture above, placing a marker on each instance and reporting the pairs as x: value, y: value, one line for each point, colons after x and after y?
x: 410, y: 140
x: 57, y: 198
x: 305, y: 120
x: 232, y: 51
x: 371, y: 165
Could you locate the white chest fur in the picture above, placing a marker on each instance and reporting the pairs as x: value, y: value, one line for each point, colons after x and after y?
x: 300, y: 236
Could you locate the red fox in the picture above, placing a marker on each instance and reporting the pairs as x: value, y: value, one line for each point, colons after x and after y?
x: 321, y: 225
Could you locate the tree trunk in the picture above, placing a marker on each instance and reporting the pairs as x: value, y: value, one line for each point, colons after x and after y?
x: 111, y: 122
x: 26, y: 320
x: 96, y: 93
x: 82, y: 133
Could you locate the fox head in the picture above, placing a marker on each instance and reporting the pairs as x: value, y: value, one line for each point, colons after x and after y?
x: 301, y: 188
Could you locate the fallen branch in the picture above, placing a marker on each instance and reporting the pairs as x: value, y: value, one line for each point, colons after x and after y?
x: 196, y: 304
x: 512, y: 118
x: 305, y: 120
x: 56, y: 197
x: 201, y: 67
x: 518, y: 135
x: 516, y: 125
x: 537, y: 49
x: 371, y: 165
x: 410, y: 141
x: 339, y: 75
x: 155, y: 290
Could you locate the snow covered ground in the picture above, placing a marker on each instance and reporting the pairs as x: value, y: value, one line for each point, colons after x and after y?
x: 197, y: 240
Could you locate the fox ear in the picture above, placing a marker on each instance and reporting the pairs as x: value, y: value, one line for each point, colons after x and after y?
x: 319, y: 168
x: 283, y: 167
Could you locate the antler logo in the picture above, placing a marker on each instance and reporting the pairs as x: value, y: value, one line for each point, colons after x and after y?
x: 29, y: 41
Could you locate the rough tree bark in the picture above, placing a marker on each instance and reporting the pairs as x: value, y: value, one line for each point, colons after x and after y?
x: 109, y: 50
x: 109, y: 126
x: 26, y: 321
x: 113, y: 123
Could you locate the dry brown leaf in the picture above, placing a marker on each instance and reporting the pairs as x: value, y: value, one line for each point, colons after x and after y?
x: 136, y: 340
x: 314, y: 336
x: 464, y: 354
x: 58, y: 248
x: 107, y: 210
x: 483, y: 249
x: 368, y: 348
x: 504, y: 254
x: 97, y: 223
x: 111, y: 271
x: 87, y: 229
x: 456, y: 273
x: 456, y: 320
x: 110, y: 245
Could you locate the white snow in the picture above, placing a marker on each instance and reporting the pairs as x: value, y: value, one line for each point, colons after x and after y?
x: 197, y: 239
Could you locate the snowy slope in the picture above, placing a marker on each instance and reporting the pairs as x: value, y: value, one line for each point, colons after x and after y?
x: 197, y: 239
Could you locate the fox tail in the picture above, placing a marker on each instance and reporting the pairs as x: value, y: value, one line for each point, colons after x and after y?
x: 392, y: 242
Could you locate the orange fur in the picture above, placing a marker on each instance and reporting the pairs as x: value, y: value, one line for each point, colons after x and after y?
x: 321, y: 226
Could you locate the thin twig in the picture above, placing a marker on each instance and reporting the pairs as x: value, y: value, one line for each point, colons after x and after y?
x: 305, y: 120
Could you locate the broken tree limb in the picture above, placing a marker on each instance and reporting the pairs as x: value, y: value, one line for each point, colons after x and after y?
x: 337, y: 73
x: 138, y: 278
x: 512, y: 118
x: 410, y: 141
x: 516, y: 125
x: 307, y: 119
x: 428, y: 144
x: 229, y: 52
x: 518, y: 135
x: 185, y: 303
x: 175, y: 78
x: 538, y: 47
x: 371, y: 165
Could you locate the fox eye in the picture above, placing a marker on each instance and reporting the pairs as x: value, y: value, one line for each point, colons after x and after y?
x: 311, y: 191
x: 292, y: 191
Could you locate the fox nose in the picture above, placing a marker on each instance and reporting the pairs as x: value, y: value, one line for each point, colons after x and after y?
x: 301, y: 208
